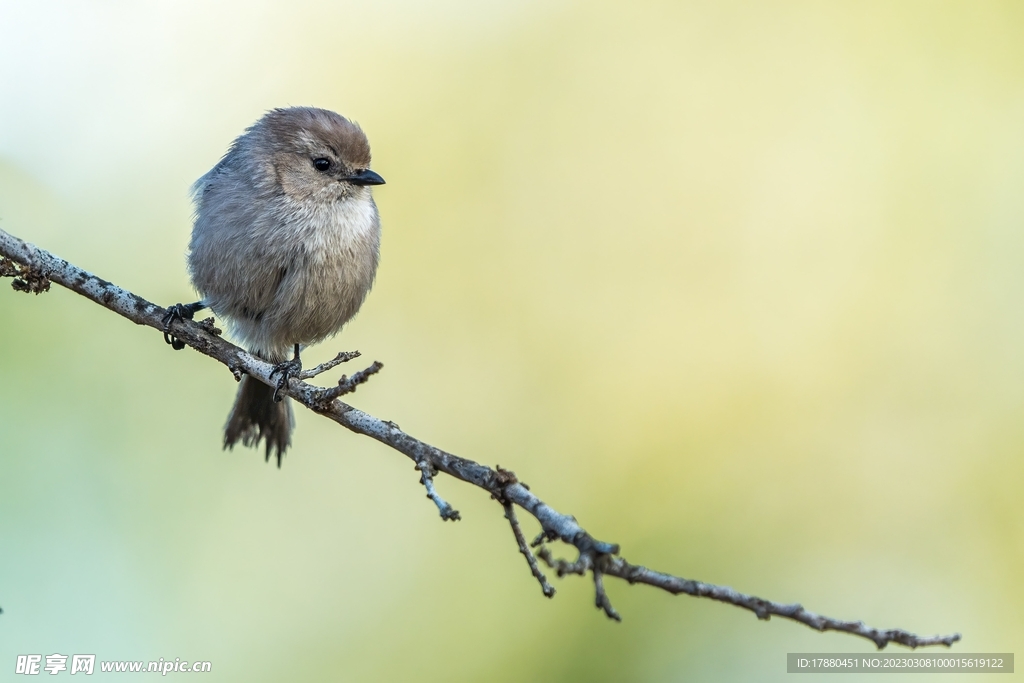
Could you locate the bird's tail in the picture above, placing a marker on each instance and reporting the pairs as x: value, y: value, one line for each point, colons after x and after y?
x: 255, y: 416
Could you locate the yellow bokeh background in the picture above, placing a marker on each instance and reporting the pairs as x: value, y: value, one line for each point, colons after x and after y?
x: 737, y: 284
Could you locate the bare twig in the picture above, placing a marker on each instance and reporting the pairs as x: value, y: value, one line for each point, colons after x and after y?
x: 346, y: 385
x: 343, y: 357
x: 36, y: 268
x: 601, y: 597
x: 564, y: 567
x: 427, y: 479
x: 510, y: 515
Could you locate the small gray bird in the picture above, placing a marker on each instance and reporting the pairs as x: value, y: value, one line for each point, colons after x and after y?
x: 284, y: 249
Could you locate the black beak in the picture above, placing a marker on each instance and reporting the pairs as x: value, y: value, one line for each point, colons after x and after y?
x: 365, y: 177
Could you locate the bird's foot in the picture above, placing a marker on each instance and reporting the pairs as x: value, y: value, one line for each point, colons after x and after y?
x: 286, y: 370
x: 179, y: 312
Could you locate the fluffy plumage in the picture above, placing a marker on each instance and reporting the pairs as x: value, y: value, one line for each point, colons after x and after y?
x: 285, y: 247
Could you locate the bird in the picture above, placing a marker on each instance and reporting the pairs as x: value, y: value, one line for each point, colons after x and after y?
x: 284, y: 249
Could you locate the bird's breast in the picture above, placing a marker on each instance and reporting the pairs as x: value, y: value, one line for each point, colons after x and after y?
x: 334, y: 260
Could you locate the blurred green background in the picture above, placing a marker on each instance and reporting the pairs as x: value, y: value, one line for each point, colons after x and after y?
x: 737, y: 284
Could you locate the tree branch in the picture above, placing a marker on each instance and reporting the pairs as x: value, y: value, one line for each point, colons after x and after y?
x: 33, y: 269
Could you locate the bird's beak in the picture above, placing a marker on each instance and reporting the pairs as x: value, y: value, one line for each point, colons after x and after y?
x: 365, y: 177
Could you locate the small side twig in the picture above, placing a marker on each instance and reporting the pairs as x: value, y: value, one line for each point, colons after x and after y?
x: 346, y: 385
x: 601, y: 597
x: 510, y: 515
x: 343, y: 357
x: 564, y: 567
x: 590, y: 559
x: 443, y: 506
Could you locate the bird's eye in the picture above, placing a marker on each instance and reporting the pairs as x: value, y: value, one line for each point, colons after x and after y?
x: 322, y: 164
